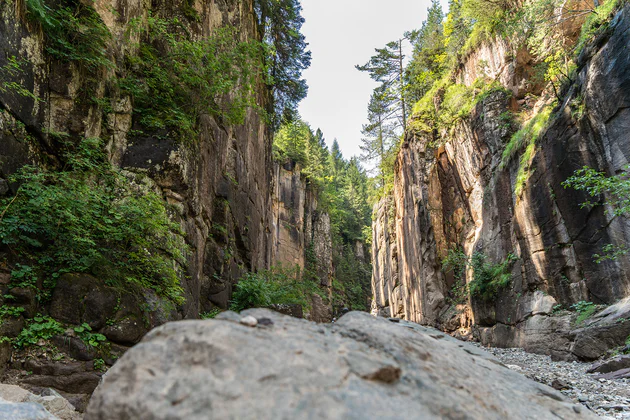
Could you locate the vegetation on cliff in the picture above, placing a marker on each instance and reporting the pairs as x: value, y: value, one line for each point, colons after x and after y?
x: 341, y: 187
x: 90, y: 218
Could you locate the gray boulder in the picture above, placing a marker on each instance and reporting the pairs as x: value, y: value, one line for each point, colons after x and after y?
x: 611, y: 365
x: 23, y: 404
x: 603, y: 331
x: 23, y: 411
x: 360, y: 367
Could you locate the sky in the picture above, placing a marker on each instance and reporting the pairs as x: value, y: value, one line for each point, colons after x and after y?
x: 341, y: 34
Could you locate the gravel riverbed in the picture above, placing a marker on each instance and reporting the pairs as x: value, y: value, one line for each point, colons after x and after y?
x: 608, y: 398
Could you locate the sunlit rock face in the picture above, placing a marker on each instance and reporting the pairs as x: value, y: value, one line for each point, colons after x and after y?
x: 300, y: 227
x: 451, y: 191
x: 220, y: 184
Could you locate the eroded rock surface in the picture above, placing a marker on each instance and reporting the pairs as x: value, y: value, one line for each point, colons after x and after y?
x: 360, y: 367
x: 19, y: 404
x: 455, y: 190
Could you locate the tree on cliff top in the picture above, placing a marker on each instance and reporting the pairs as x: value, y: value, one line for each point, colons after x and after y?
x: 387, y: 68
x: 280, y: 22
x: 380, y: 135
x: 429, y: 54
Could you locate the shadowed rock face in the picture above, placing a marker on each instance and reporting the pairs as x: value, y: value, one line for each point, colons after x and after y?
x: 458, y: 196
x: 360, y: 367
x: 220, y: 184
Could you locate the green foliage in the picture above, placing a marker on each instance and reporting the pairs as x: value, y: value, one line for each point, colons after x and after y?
x: 110, y: 228
x: 489, y: 278
x: 280, y: 23
x: 456, y: 262
x: 99, y: 365
x: 526, y: 139
x: 12, y: 70
x: 269, y: 287
x: 10, y: 311
x: 74, y: 32
x: 597, y: 22
x: 429, y: 56
x: 355, y: 276
x: 584, y: 310
x: 36, y: 329
x: 174, y: 78
x: 211, y: 315
x: 84, y: 332
x: 613, y: 190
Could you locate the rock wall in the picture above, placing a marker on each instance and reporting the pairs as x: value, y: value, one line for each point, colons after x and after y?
x: 458, y: 195
x: 386, y: 288
x: 300, y: 228
x: 220, y: 184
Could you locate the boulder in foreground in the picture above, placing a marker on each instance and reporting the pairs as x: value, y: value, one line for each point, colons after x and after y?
x: 285, y: 368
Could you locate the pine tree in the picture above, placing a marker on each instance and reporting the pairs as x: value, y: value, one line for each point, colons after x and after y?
x: 429, y: 53
x: 280, y: 22
x: 380, y: 133
x: 387, y: 68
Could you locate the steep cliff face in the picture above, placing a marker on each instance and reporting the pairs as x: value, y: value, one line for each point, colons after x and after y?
x: 220, y: 184
x: 456, y: 191
x: 304, y: 238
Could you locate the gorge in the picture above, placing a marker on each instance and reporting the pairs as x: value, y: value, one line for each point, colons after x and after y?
x: 154, y: 170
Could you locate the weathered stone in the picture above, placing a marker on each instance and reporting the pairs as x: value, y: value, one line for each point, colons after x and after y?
x: 618, y: 374
x: 4, y: 187
x: 320, y: 312
x: 71, y: 377
x: 611, y: 365
x: 22, y: 411
x: 5, y: 278
x: 6, y: 351
x: 352, y: 369
x: 11, y: 326
x: 52, y: 401
x: 126, y: 331
x: 604, y: 331
x: 26, y: 297
x: 293, y: 310
x: 79, y: 298
x: 249, y: 321
x: 74, y: 347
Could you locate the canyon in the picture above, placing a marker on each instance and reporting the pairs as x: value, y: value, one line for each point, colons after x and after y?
x: 469, y: 198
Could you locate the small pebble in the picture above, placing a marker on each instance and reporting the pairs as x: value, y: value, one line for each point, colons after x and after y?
x: 249, y: 320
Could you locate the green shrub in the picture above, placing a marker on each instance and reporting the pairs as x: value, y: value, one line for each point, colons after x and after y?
x: 489, y: 278
x: 84, y: 331
x: 38, y: 328
x: 596, y: 22
x: 74, y: 31
x: 456, y: 262
x: 584, y: 310
x: 10, y: 311
x: 174, y: 78
x: 89, y: 218
x: 615, y: 189
x: 210, y: 315
x: 525, y: 136
x: 269, y: 287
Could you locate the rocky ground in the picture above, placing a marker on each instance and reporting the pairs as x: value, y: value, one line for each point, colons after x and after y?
x: 608, y: 398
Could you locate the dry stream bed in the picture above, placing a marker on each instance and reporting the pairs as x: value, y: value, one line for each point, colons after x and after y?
x: 608, y: 398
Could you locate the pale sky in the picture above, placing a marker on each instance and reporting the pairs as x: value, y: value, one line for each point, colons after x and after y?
x: 342, y: 33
